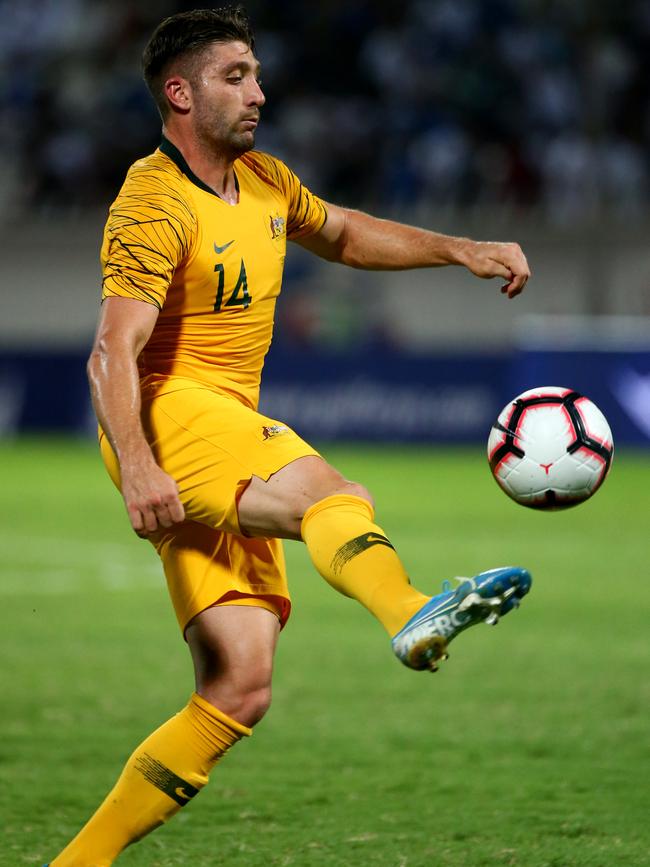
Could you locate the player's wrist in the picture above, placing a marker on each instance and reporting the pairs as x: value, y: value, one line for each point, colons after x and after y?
x: 135, y: 456
x: 461, y: 251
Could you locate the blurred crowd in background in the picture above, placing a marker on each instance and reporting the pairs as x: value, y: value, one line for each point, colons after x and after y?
x: 534, y: 105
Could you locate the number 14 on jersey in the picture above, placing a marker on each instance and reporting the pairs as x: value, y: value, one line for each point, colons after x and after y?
x: 239, y: 296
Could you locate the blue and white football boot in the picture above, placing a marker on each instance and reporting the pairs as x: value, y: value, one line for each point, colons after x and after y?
x: 423, y: 641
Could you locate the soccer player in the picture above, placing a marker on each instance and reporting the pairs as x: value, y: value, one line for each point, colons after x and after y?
x: 192, y: 260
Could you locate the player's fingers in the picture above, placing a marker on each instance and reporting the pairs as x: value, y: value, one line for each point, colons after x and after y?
x: 170, y: 512
x: 176, y: 511
x: 499, y: 269
x: 510, y: 290
x: 163, y: 517
x: 150, y: 519
x: 516, y: 286
x: 513, y: 258
x: 523, y: 267
x: 519, y: 274
x: 135, y: 517
x: 137, y: 521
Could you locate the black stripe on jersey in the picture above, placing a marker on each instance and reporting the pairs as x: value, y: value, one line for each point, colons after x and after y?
x: 150, y: 230
x: 129, y: 250
x: 136, y: 286
x: 183, y: 240
x: 136, y: 250
x: 305, y: 203
x: 177, y: 157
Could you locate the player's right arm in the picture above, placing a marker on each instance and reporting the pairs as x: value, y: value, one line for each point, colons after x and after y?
x: 150, y: 229
x: 363, y: 241
x: 150, y: 494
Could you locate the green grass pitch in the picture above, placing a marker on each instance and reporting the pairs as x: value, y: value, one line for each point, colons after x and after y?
x: 529, y: 748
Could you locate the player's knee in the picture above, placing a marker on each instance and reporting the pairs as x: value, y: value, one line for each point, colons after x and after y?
x: 345, y: 488
x: 354, y: 489
x: 253, y: 704
x: 245, y: 705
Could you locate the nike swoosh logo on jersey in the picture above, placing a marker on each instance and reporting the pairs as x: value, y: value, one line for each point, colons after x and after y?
x: 220, y: 250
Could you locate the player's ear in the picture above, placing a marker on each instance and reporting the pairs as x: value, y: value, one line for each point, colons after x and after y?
x: 179, y: 93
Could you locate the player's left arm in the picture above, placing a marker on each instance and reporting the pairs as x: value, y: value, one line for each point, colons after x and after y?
x: 362, y: 241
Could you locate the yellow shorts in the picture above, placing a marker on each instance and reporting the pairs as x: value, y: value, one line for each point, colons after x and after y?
x: 212, y: 445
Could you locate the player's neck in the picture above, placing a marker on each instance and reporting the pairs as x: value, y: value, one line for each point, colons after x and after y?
x: 213, y: 168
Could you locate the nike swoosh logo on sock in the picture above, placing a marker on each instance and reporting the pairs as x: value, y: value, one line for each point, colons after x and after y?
x: 355, y: 546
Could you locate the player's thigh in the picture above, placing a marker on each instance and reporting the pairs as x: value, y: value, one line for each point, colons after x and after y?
x: 232, y: 647
x: 276, y: 506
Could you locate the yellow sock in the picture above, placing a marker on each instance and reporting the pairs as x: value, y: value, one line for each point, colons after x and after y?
x: 164, y: 773
x: 353, y: 554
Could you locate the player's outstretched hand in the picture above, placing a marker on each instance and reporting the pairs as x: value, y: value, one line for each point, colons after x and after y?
x: 151, y: 498
x: 492, y: 259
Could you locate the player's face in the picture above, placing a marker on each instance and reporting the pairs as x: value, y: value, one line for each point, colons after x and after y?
x: 227, y: 97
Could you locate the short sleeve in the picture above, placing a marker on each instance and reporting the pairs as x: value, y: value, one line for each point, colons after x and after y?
x: 306, y: 212
x: 150, y: 230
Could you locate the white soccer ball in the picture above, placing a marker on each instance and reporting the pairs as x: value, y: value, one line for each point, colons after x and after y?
x: 550, y: 448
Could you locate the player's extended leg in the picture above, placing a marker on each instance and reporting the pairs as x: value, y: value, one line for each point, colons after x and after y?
x: 308, y: 499
x: 232, y: 648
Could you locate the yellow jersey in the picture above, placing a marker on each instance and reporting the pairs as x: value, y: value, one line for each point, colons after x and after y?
x: 213, y: 269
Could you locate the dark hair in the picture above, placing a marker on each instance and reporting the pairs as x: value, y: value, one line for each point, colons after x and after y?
x: 189, y: 33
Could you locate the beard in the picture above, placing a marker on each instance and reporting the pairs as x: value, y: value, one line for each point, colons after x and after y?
x: 224, y: 138
x: 241, y: 143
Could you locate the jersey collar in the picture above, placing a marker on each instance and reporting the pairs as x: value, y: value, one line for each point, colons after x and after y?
x: 177, y: 157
